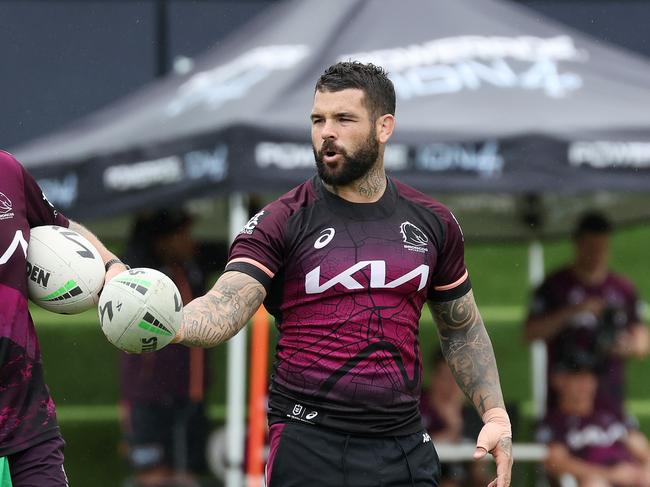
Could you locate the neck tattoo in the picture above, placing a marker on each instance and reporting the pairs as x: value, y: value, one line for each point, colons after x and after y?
x: 372, y: 184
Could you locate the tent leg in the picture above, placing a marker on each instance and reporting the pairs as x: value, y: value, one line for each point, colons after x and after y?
x: 538, y: 347
x: 236, y: 381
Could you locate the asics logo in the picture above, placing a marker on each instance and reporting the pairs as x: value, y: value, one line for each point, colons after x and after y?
x: 377, y: 277
x: 326, y: 237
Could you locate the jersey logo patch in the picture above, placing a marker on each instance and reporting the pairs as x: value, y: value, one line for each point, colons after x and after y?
x: 252, y: 223
x: 54, y: 212
x: 326, y: 237
x: 5, y: 207
x: 414, y: 238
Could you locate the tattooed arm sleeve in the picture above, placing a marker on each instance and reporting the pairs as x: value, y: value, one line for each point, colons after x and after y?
x: 468, y: 350
x: 221, y: 312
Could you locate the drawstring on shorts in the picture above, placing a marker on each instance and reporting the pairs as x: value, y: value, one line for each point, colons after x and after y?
x: 408, y: 465
x: 343, y: 462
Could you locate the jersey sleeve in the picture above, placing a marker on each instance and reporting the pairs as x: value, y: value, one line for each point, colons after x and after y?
x: 39, y: 210
x: 259, y: 248
x: 450, y: 279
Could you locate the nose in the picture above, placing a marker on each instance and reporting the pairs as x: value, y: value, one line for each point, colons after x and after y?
x: 328, y: 131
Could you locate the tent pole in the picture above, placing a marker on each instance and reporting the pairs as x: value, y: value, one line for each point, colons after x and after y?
x: 162, y: 37
x: 538, y: 347
x: 236, y: 381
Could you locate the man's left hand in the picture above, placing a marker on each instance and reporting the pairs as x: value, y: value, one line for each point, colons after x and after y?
x: 502, y: 454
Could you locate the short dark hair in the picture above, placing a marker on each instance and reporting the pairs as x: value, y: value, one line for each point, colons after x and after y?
x: 592, y: 222
x: 371, y: 79
x: 573, y: 361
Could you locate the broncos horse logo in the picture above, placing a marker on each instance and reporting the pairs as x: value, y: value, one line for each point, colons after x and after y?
x: 412, y: 235
x: 5, y: 204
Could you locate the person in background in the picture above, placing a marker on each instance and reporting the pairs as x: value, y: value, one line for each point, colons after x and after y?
x: 31, y: 445
x: 594, y: 446
x: 448, y: 418
x: 593, y: 308
x: 162, y: 393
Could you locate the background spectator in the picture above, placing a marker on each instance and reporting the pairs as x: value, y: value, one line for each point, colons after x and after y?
x: 595, y: 446
x: 162, y: 393
x: 585, y: 305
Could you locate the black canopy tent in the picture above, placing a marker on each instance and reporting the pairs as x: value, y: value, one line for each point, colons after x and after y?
x: 492, y: 101
x: 513, y: 112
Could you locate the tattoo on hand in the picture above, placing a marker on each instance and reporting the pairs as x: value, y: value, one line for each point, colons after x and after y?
x: 468, y: 350
x: 506, y: 445
x: 222, y: 312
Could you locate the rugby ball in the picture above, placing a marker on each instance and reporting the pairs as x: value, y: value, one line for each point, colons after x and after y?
x: 140, y: 310
x: 65, y: 272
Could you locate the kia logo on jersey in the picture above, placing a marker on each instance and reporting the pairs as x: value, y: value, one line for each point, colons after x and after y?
x: 377, y: 277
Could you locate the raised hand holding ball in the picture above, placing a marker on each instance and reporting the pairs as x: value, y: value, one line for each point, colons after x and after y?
x: 140, y: 310
x: 65, y: 272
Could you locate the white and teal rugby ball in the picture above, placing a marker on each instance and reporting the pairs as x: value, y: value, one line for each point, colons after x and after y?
x: 65, y: 272
x: 140, y: 310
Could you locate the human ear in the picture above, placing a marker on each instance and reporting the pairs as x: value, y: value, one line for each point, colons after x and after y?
x: 384, y: 127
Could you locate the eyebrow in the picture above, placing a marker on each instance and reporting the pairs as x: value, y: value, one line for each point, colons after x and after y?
x: 337, y: 114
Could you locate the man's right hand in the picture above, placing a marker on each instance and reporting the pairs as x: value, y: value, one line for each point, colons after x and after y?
x: 592, y: 305
x: 626, y: 475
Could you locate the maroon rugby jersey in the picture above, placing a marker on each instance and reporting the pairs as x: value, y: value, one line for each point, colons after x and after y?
x: 346, y: 283
x: 598, y: 438
x: 561, y: 289
x: 27, y: 413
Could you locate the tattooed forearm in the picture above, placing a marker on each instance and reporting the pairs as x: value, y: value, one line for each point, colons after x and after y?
x: 468, y: 350
x: 222, y: 312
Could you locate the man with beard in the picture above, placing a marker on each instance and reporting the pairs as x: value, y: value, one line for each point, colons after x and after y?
x: 345, y: 263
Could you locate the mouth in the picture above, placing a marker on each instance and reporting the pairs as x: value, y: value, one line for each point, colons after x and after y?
x: 331, y: 153
x: 331, y: 157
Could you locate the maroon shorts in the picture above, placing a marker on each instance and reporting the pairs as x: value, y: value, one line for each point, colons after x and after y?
x: 40, y: 465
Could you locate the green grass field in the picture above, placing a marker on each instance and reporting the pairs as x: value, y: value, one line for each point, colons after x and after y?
x: 81, y: 366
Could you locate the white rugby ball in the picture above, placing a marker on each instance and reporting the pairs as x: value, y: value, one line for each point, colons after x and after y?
x: 65, y: 272
x: 140, y: 310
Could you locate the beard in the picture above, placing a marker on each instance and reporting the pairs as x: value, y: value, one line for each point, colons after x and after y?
x: 352, y: 167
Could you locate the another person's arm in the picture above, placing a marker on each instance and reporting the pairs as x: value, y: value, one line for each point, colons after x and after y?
x: 222, y: 312
x: 546, y: 325
x: 634, y: 342
x: 41, y: 212
x: 559, y: 461
x: 468, y: 350
x: 638, y: 446
x: 115, y: 265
